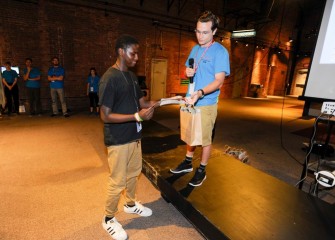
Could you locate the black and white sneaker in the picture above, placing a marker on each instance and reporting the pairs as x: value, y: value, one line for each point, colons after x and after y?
x: 183, y: 167
x: 114, y: 229
x: 138, y: 209
x: 198, y: 178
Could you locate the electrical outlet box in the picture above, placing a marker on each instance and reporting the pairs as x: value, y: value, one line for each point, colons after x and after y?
x: 325, y: 179
x: 328, y: 108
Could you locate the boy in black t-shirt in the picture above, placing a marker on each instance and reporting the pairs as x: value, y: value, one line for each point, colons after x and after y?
x: 123, y: 108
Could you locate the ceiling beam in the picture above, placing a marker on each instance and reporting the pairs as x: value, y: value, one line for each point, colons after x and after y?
x: 181, y: 5
x: 169, y: 4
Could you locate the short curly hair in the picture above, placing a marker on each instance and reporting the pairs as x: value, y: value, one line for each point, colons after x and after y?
x: 124, y: 41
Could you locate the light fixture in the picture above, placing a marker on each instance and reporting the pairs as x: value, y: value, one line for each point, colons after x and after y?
x: 243, y: 33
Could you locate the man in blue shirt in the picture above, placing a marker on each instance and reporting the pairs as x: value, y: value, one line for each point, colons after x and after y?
x: 211, y: 66
x: 9, y: 80
x: 56, y: 78
x: 32, y: 77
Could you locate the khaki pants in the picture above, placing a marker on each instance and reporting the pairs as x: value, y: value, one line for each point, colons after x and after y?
x: 60, y: 92
x: 125, y: 165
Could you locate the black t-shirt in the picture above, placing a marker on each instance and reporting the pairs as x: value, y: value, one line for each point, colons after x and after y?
x: 120, y: 92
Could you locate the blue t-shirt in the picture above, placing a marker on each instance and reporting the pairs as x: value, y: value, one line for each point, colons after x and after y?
x: 209, y: 63
x: 34, y: 73
x: 93, y: 83
x: 56, y: 71
x: 9, y: 76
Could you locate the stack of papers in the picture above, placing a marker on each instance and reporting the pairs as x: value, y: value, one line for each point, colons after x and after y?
x: 172, y: 100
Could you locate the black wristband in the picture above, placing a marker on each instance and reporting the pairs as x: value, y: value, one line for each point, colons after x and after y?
x: 202, y: 92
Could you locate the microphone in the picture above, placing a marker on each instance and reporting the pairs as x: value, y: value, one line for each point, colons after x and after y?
x: 191, y: 63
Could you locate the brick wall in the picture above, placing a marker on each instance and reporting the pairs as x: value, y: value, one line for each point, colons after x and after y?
x: 82, y: 34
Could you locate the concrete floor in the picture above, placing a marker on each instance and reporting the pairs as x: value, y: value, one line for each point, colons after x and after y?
x: 54, y: 170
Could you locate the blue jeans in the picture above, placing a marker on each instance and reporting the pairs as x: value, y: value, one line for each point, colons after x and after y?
x: 60, y: 92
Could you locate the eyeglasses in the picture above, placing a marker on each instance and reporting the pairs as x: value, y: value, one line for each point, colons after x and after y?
x: 203, y: 33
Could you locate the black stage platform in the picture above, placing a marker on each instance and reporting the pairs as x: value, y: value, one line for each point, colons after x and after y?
x: 236, y: 201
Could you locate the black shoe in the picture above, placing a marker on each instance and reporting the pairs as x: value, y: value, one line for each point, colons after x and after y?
x: 183, y: 167
x: 198, y: 178
x: 53, y: 115
x: 66, y: 115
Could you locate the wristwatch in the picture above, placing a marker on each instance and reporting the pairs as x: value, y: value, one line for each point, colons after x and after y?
x: 202, y: 93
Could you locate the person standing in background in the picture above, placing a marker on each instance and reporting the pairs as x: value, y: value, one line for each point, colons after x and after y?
x: 9, y: 80
x: 92, y: 90
x: 2, y: 96
x: 32, y: 77
x: 56, y: 76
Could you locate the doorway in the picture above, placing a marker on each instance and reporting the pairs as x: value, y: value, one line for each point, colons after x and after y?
x: 158, y: 78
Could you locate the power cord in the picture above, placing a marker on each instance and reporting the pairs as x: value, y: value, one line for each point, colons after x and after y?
x: 310, y: 150
x: 281, y: 133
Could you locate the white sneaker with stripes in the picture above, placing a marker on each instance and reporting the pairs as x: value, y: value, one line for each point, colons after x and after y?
x: 114, y: 229
x: 138, y: 209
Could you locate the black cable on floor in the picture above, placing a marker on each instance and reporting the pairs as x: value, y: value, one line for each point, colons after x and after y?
x: 311, y: 143
x: 281, y: 134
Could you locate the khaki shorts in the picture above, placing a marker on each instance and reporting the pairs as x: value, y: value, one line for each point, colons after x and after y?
x: 208, y: 117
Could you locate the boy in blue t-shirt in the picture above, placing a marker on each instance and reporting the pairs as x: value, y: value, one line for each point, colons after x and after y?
x: 9, y: 80
x: 32, y: 77
x: 209, y: 69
